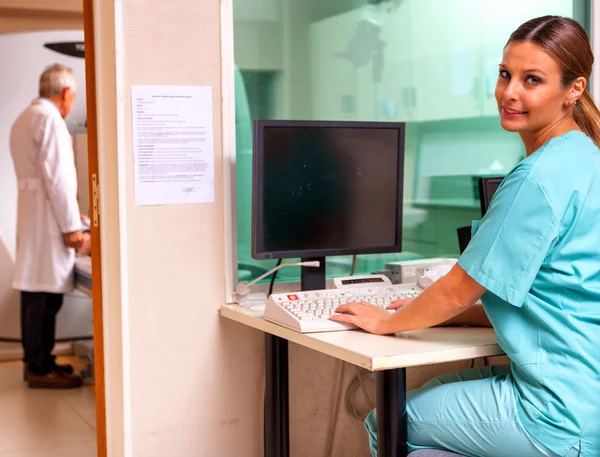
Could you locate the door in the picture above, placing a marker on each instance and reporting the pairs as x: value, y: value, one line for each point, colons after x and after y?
x: 336, y: 65
x: 92, y: 135
x: 446, y: 59
x: 395, y: 93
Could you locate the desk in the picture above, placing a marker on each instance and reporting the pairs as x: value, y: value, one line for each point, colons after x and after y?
x: 451, y: 203
x: 388, y: 356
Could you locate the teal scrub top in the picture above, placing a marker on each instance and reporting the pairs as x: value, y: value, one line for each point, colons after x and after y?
x: 537, y: 252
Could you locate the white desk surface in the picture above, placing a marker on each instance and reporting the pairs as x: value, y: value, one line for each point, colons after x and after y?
x: 375, y: 353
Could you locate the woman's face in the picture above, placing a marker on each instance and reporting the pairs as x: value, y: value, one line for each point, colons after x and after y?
x: 529, y: 91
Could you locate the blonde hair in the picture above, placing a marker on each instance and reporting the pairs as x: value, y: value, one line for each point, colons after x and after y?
x: 567, y: 42
x: 55, y: 79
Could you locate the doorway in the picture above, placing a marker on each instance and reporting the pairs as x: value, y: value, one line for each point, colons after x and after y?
x: 29, y: 418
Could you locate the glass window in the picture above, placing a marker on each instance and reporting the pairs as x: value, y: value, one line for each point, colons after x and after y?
x: 430, y: 63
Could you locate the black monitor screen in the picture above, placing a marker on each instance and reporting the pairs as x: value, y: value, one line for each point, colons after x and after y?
x: 327, y: 188
x: 487, y: 189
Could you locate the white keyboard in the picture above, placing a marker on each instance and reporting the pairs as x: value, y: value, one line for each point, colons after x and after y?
x: 308, y: 312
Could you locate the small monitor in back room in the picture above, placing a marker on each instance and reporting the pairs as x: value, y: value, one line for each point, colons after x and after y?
x: 487, y: 188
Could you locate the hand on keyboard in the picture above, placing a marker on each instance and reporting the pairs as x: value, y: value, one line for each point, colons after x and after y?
x: 399, y: 303
x: 310, y: 311
x: 364, y: 315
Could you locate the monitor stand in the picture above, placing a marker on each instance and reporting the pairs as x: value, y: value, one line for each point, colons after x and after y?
x: 313, y: 278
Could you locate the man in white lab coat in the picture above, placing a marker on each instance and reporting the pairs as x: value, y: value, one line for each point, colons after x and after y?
x: 48, y: 223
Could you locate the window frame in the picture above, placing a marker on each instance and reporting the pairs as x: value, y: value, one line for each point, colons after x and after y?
x: 229, y: 149
x: 229, y: 139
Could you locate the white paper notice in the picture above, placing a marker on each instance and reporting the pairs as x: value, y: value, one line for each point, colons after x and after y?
x: 173, y: 144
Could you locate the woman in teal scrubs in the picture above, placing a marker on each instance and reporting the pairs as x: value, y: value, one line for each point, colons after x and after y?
x: 534, y: 260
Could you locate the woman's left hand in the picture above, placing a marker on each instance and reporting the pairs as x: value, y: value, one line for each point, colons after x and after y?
x: 371, y: 318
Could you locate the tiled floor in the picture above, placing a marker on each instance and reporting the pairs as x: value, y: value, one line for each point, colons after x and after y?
x: 44, y: 423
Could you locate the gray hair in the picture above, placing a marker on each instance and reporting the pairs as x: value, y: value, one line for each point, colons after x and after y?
x: 55, y: 79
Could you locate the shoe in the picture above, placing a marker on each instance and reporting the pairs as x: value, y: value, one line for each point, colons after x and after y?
x: 66, y: 369
x: 53, y: 380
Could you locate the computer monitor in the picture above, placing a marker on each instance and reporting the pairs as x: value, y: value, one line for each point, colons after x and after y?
x: 487, y: 188
x: 325, y: 188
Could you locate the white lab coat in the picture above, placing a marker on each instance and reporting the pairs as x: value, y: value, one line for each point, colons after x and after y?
x: 42, y: 152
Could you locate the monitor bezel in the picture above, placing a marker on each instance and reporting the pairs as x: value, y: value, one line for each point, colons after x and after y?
x: 258, y: 249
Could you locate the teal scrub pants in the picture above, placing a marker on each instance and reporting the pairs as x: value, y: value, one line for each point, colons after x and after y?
x: 471, y: 412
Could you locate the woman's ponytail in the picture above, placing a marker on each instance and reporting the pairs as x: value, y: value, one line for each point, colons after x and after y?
x: 587, y: 116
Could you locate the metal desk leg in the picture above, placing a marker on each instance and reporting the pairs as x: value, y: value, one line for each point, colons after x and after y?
x: 277, y: 431
x: 391, y: 413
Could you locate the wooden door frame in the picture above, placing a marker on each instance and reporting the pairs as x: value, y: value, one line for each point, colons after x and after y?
x: 93, y: 175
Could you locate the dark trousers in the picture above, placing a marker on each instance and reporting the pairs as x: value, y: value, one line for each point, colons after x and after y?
x: 38, y: 328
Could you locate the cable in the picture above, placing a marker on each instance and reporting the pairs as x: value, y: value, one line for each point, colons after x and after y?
x: 336, y: 410
x: 263, y: 401
x: 359, y: 382
x: 273, y: 278
x: 362, y: 386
